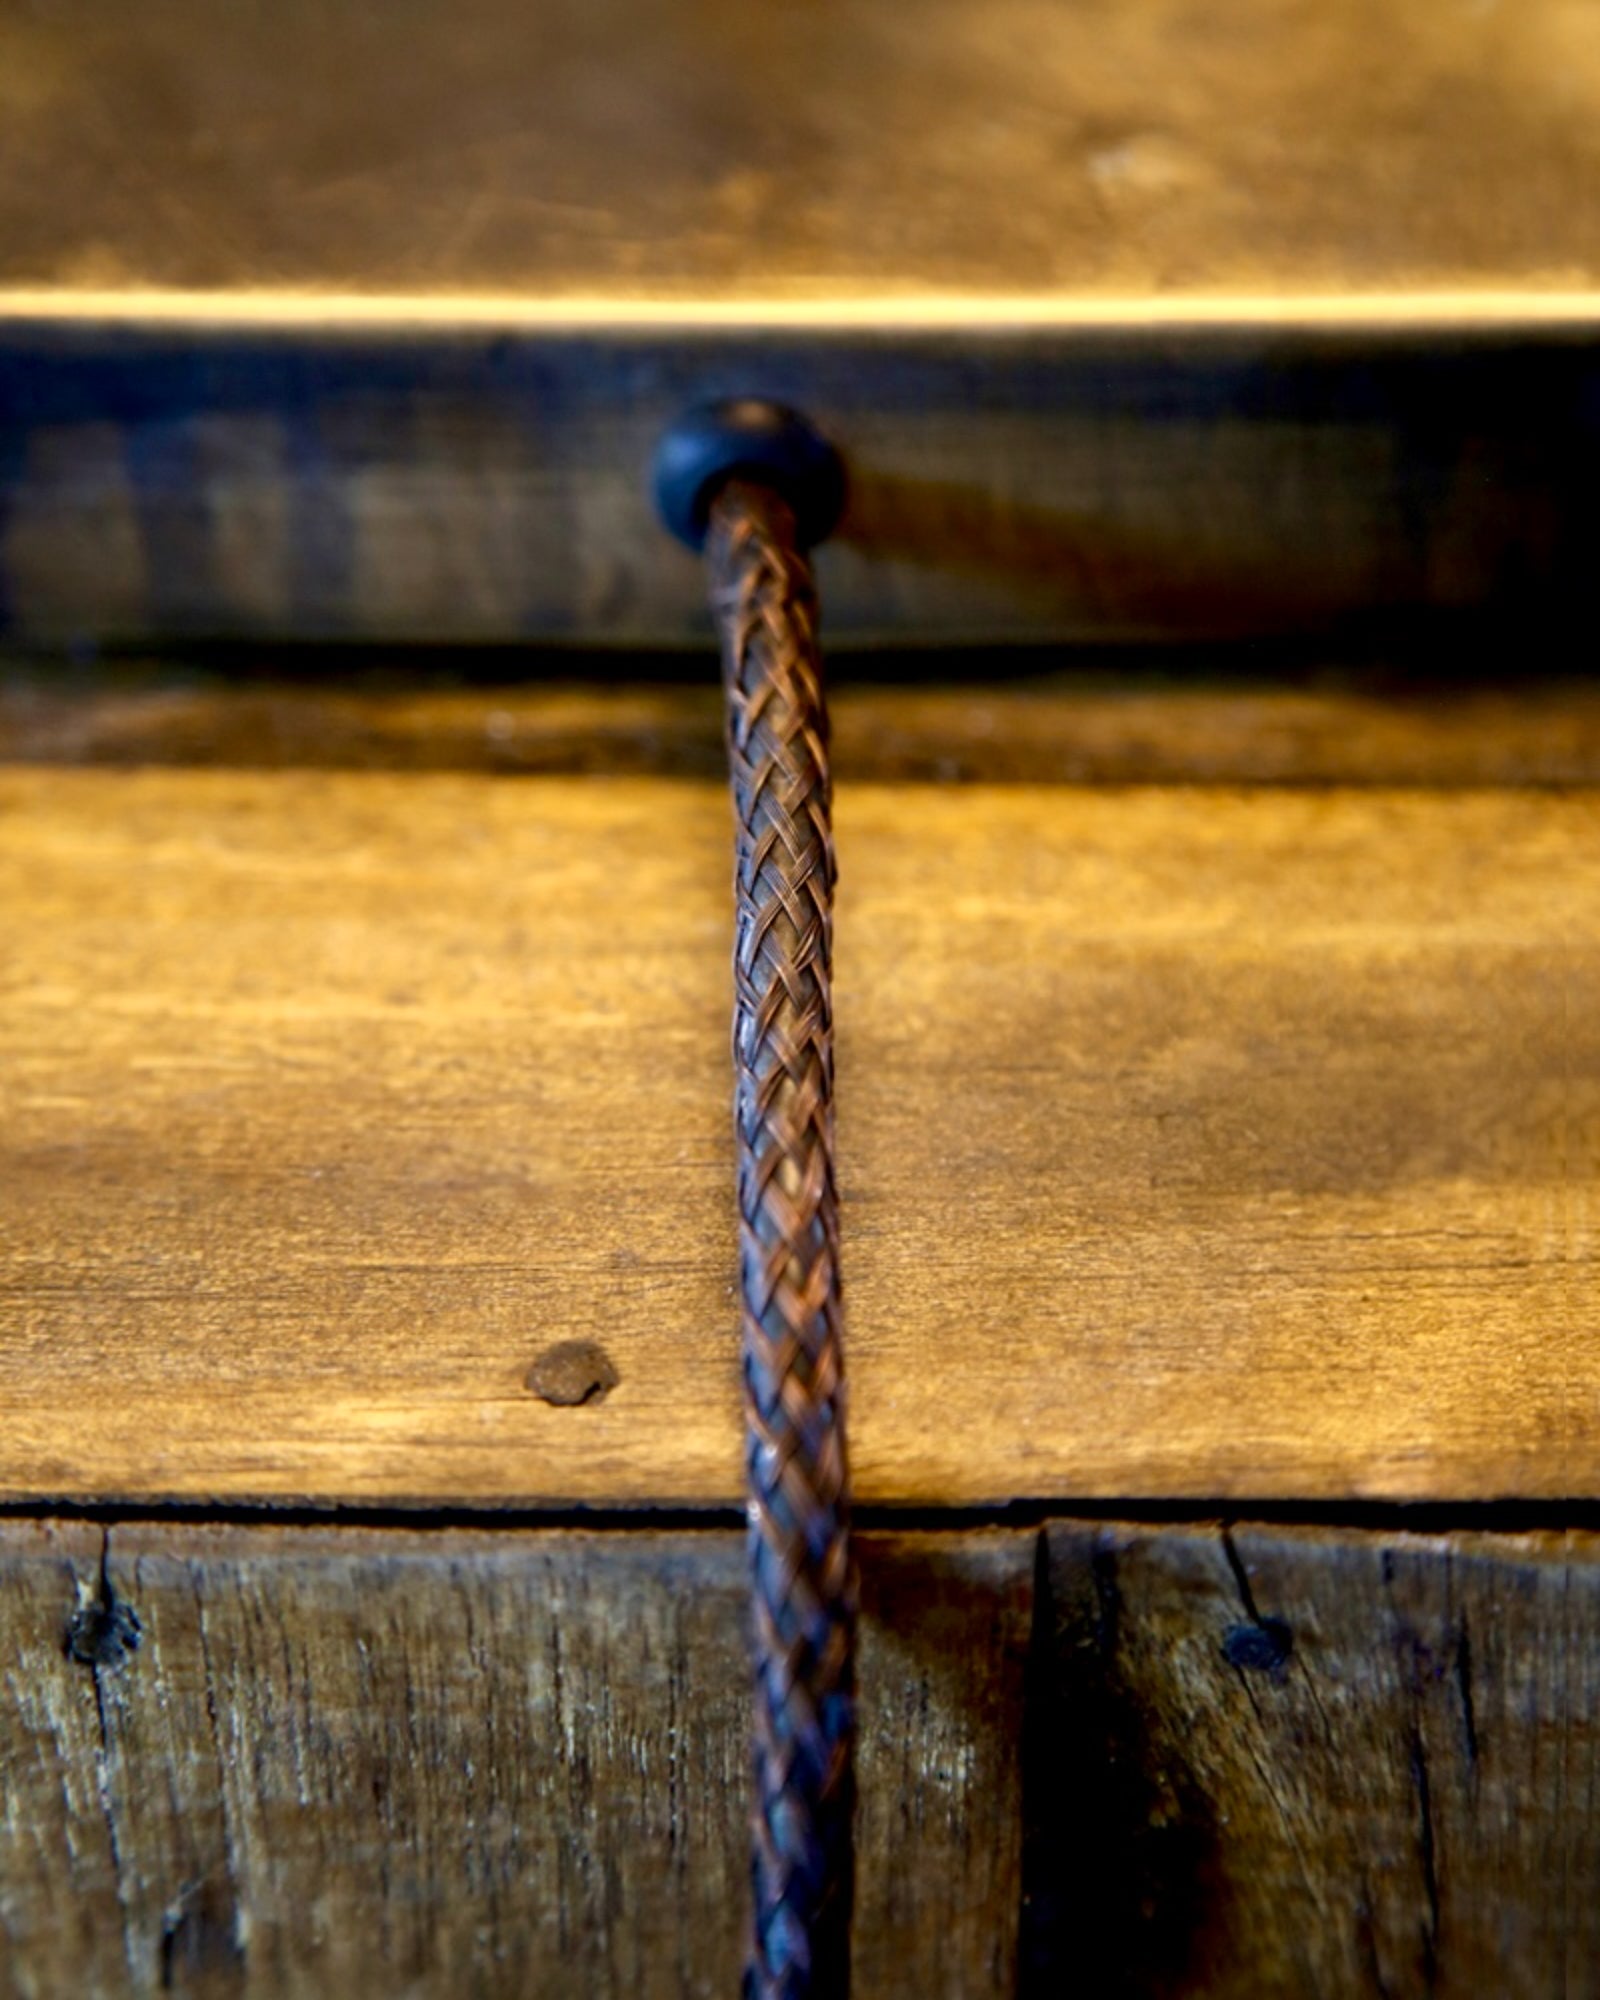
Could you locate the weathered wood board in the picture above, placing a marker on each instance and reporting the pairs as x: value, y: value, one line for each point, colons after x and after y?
x: 360, y: 1762
x: 1194, y: 1140
x: 1287, y: 1763
x: 212, y: 477
x: 344, y: 1762
x: 618, y: 150
x: 366, y: 321
x: 1442, y: 717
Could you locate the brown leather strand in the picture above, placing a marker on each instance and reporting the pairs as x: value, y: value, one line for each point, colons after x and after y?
x: 804, y: 1592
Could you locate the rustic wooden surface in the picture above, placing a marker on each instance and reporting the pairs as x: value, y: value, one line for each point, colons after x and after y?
x: 612, y: 148
x: 221, y: 475
x: 1301, y: 715
x: 1195, y: 1140
x: 365, y: 321
x: 365, y: 1763
x: 1281, y: 1763
x: 354, y: 1761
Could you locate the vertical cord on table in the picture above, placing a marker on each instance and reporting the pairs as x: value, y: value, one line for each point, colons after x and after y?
x: 804, y: 1592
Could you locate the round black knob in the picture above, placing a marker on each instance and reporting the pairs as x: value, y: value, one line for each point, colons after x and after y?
x: 747, y: 438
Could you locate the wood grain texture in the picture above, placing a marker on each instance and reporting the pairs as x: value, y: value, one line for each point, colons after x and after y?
x: 1127, y: 325
x: 616, y: 149
x: 1262, y: 1761
x: 1285, y: 1763
x: 1193, y: 1141
x: 60, y: 1920
x: 1305, y: 716
x: 216, y: 477
x: 365, y: 1763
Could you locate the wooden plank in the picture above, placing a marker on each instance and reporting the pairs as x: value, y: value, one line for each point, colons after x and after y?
x: 359, y: 1762
x: 1263, y: 1761
x: 221, y: 476
x: 620, y: 150
x: 60, y: 1921
x: 1193, y: 1141
x: 1281, y: 1763
x: 1127, y: 327
x: 1305, y: 716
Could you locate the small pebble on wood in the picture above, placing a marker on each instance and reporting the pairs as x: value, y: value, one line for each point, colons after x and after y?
x: 573, y: 1372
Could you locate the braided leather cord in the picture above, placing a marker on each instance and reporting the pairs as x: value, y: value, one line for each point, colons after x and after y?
x: 804, y: 1590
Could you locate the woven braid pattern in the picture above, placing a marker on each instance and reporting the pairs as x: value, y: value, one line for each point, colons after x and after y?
x: 804, y: 1591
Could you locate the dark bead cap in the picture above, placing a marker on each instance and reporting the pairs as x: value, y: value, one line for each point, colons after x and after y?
x: 746, y: 438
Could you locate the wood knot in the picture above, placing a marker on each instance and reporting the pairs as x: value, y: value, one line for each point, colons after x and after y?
x: 573, y: 1372
x: 104, y: 1634
x: 1263, y: 1646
